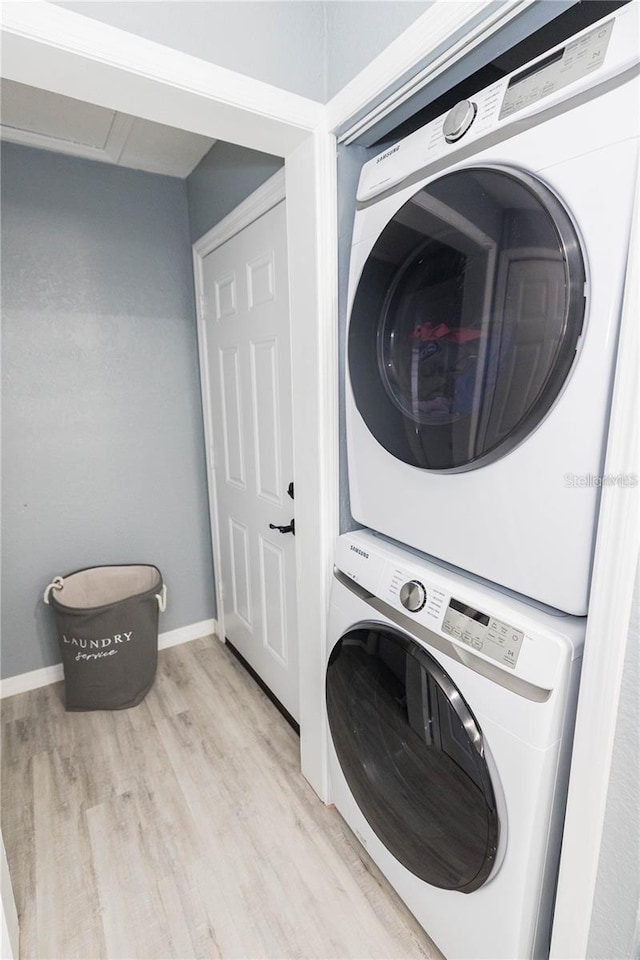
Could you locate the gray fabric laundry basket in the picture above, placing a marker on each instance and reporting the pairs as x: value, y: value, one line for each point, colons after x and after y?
x: 107, y: 620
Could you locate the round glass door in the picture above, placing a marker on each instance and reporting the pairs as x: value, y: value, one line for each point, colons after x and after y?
x: 466, y: 319
x: 413, y: 756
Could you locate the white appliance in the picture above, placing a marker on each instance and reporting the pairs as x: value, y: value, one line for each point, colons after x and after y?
x: 487, y: 274
x: 451, y: 708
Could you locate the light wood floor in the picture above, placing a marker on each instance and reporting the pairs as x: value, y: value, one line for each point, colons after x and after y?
x: 183, y: 828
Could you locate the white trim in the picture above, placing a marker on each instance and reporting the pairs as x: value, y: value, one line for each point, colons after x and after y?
x: 42, y: 141
x: 24, y: 682
x: 118, y: 136
x: 312, y: 171
x: 261, y: 201
x: 49, y: 47
x: 616, y: 558
x: 440, y: 21
x: 116, y: 140
x: 193, y: 631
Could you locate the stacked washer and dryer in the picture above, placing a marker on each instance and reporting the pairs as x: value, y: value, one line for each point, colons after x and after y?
x: 487, y: 276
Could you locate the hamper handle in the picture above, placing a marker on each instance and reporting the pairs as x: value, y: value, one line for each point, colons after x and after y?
x: 162, y: 598
x: 56, y: 584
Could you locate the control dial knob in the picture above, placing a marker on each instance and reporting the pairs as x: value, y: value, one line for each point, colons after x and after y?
x: 413, y: 595
x: 458, y: 120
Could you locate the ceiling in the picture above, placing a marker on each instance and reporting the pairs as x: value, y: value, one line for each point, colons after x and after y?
x: 38, y: 118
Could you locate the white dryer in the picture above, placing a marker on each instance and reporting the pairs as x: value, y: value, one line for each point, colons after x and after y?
x: 451, y: 708
x: 487, y: 274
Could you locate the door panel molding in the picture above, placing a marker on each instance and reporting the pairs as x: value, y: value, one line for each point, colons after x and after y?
x: 240, y: 572
x: 277, y: 569
x: 266, y: 415
x: 233, y: 432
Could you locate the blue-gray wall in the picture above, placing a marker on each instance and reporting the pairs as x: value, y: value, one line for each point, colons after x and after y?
x: 225, y: 177
x: 356, y: 32
x: 279, y: 41
x: 310, y: 48
x: 102, y: 449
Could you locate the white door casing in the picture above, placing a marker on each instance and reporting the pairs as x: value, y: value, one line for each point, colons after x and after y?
x: 244, y: 333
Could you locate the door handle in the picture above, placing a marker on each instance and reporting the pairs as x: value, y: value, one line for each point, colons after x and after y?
x: 290, y: 527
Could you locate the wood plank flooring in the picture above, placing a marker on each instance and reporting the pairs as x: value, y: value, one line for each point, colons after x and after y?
x: 182, y: 828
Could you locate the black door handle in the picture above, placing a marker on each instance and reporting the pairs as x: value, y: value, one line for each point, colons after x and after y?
x: 290, y: 527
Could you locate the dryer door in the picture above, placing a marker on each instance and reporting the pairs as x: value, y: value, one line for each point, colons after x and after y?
x: 466, y: 319
x: 413, y: 756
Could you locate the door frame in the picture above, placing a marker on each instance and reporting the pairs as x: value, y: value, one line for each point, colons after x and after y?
x: 267, y: 196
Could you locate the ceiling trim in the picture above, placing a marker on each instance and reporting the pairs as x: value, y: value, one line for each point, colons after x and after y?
x: 111, y: 152
x: 119, y: 133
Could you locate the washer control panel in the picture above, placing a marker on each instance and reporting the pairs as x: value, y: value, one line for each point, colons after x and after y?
x: 413, y: 595
x: 494, y: 638
x: 457, y: 615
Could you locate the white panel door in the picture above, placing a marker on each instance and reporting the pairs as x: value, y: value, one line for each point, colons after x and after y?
x: 246, y: 322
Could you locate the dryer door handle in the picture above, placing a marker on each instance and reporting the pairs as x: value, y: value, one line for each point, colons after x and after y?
x: 454, y: 698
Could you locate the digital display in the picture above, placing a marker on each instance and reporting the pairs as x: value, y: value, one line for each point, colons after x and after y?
x: 530, y: 71
x: 469, y: 612
x: 558, y: 70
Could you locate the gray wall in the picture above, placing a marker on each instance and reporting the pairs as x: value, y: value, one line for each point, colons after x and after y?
x: 356, y: 32
x: 225, y: 177
x: 103, y: 456
x: 309, y: 48
x: 615, y: 921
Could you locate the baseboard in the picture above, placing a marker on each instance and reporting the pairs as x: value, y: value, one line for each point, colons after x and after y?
x: 30, y: 681
x: 23, y: 682
x: 183, y: 634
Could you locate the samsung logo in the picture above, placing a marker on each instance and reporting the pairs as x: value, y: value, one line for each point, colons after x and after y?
x: 387, y: 153
x: 362, y: 553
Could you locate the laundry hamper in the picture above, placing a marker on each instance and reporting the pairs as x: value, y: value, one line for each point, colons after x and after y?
x: 107, y: 622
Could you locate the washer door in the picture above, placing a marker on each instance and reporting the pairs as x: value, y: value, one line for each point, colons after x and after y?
x: 413, y: 756
x: 466, y: 319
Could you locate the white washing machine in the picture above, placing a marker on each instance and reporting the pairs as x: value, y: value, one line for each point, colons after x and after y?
x: 487, y: 274
x: 451, y: 708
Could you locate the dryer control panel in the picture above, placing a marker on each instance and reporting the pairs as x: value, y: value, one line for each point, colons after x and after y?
x: 558, y: 70
x: 495, y: 638
x: 597, y: 54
